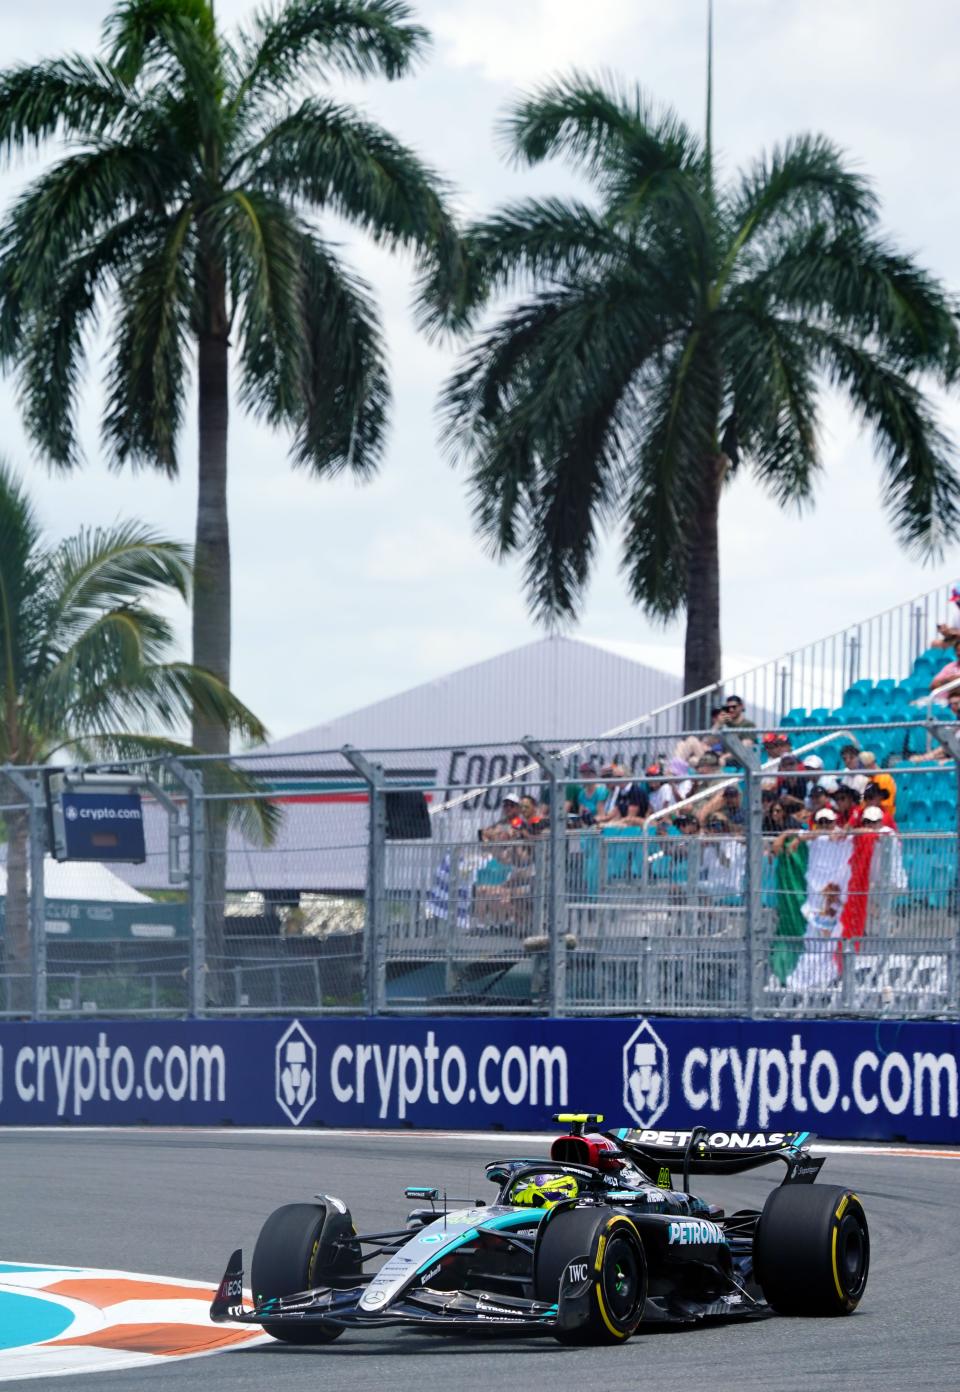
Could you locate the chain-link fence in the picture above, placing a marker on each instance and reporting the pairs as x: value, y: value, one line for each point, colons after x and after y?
x: 700, y: 878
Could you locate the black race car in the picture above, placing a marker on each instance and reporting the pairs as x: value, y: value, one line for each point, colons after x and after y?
x: 586, y: 1246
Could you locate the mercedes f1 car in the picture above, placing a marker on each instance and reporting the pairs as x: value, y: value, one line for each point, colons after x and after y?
x: 587, y: 1246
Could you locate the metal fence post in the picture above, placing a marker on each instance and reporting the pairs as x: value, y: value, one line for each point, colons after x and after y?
x: 192, y: 783
x: 744, y: 757
x: 374, y: 938
x: 949, y: 735
x: 552, y: 766
x: 32, y: 788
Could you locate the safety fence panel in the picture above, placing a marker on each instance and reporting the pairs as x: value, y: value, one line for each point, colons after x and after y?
x: 347, y: 881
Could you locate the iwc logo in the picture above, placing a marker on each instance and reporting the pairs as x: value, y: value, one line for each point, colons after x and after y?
x: 296, y: 1070
x: 646, y: 1075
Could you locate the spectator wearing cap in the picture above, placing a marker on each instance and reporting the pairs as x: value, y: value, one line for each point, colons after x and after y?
x: 868, y: 762
x: 588, y: 796
x: 510, y: 817
x: 734, y: 710
x: 775, y: 745
x: 664, y: 792
x: 847, y: 800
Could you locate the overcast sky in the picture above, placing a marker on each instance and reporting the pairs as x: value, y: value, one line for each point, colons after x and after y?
x: 344, y: 594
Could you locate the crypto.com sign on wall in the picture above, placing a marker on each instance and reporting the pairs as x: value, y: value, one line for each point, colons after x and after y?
x: 865, y: 1079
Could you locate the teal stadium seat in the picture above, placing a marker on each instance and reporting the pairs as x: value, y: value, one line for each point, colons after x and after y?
x: 794, y: 718
x: 820, y: 716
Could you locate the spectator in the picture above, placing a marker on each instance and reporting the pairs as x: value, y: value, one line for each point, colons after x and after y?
x: 686, y: 823
x: 724, y: 857
x: 847, y: 800
x: 868, y: 761
x: 510, y: 816
x: 780, y: 819
x: 874, y: 798
x: 733, y: 807
x: 817, y: 968
x: 853, y: 778
x: 819, y: 798
x: 941, y: 753
x: 792, y: 782
x: 736, y: 718
x: 775, y: 745
x: 535, y: 815
x: 663, y: 792
x: 586, y: 797
x: 950, y: 672
x: 949, y: 632
x: 707, y: 767
x: 628, y: 804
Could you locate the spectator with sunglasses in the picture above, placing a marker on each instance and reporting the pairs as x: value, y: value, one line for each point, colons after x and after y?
x: 735, y: 716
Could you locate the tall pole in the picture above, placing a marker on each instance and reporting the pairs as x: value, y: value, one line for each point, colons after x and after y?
x: 709, y: 121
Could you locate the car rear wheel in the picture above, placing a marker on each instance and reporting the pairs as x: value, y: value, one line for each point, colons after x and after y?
x: 811, y: 1252
x: 616, y: 1267
x: 302, y: 1246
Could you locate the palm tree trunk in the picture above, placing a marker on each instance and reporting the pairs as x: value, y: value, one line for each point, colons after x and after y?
x: 17, y: 943
x: 211, y: 596
x: 701, y: 659
x: 211, y: 600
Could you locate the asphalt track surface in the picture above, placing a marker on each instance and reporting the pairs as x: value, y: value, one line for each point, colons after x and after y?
x: 176, y: 1203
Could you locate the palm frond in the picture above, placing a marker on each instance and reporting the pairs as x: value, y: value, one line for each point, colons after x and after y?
x: 804, y: 182
x: 343, y: 392
x: 145, y: 388
x: 23, y: 565
x: 358, y: 38
x: 71, y: 96
x: 593, y: 123
x: 861, y: 284
x: 547, y: 240
x: 50, y: 343
x: 774, y: 387
x: 165, y: 32
x: 330, y: 157
x: 921, y: 484
x: 102, y: 568
x: 673, y: 444
x: 67, y: 209
x: 648, y: 166
x: 265, y: 253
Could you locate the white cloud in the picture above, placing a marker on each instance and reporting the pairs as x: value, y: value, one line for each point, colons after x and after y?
x: 510, y: 40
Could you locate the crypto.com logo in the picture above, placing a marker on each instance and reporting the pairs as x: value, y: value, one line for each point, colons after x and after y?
x: 646, y: 1075
x: 296, y: 1068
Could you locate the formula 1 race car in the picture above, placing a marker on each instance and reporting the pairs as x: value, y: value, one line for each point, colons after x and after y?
x: 585, y: 1246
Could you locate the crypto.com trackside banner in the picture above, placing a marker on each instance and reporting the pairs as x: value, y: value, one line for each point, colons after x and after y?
x: 868, y: 1079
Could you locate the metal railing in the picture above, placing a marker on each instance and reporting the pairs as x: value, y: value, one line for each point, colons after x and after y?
x: 672, y: 891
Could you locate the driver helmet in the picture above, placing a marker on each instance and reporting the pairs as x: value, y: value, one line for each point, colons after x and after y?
x: 543, y: 1190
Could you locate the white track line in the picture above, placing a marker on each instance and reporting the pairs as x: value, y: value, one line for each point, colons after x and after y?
x: 892, y: 1148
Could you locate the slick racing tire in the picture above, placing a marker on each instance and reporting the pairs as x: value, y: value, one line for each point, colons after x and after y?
x: 617, y: 1266
x: 301, y: 1246
x: 811, y: 1252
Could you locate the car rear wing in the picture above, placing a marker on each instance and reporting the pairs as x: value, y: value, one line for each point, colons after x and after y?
x: 661, y: 1154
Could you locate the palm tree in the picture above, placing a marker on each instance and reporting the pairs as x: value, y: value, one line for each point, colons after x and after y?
x: 85, y: 666
x: 672, y: 332
x: 182, y: 208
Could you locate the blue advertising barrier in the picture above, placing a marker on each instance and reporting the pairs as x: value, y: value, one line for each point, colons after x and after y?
x: 872, y: 1080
